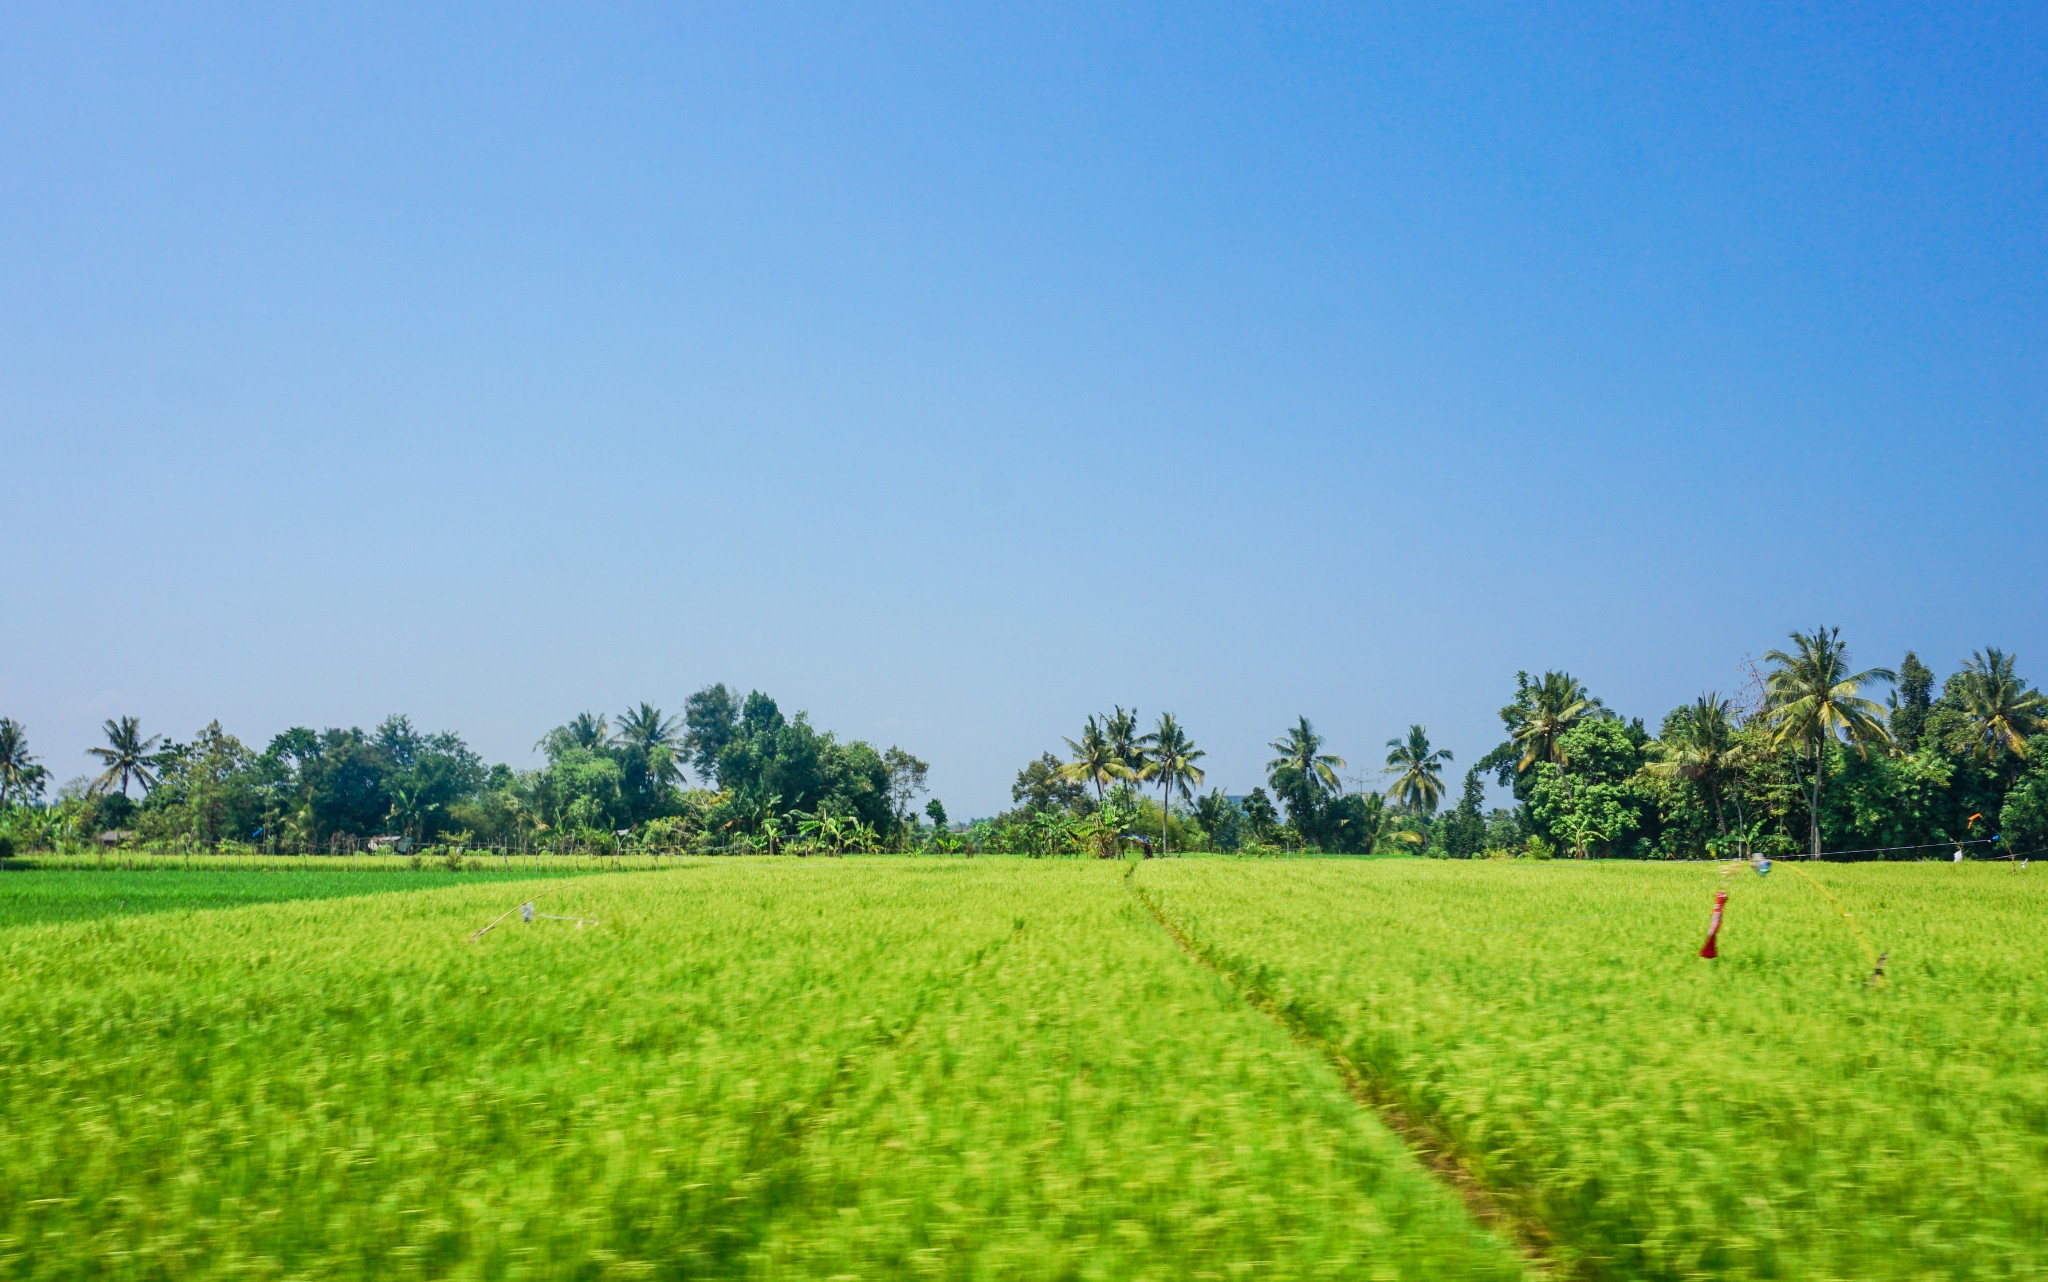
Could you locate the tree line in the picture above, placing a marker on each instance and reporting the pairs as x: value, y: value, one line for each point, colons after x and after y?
x: 1803, y: 759
x: 763, y: 780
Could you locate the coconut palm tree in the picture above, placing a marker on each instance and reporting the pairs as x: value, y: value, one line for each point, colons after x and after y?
x: 1811, y: 701
x: 1303, y: 774
x: 127, y: 756
x: 654, y: 739
x: 1701, y: 747
x: 1546, y: 709
x: 1132, y: 749
x: 1172, y: 763
x: 1095, y: 759
x: 1420, y: 771
x: 1301, y: 751
x: 586, y: 730
x: 17, y: 768
x: 2001, y: 708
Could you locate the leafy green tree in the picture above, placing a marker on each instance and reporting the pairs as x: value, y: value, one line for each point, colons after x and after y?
x: 1596, y: 806
x: 1172, y: 759
x: 1464, y: 828
x: 1044, y: 785
x: 1304, y: 777
x: 935, y: 810
x: 1910, y: 701
x: 1418, y: 771
x: 127, y: 756
x: 1221, y: 821
x: 208, y: 791
x: 583, y: 791
x: 1261, y: 819
x: 20, y: 777
x: 907, y: 777
x: 1504, y: 830
x: 711, y: 720
x: 1361, y: 823
x: 1812, y: 702
x: 768, y: 756
x: 1893, y: 799
x: 2023, y: 816
x: 2003, y: 710
x: 346, y: 784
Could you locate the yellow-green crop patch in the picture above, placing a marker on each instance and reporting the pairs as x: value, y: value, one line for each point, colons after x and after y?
x: 1767, y: 1115
x: 888, y: 1068
x: 881, y: 1068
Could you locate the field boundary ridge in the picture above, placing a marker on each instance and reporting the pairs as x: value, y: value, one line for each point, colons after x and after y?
x: 1429, y: 1144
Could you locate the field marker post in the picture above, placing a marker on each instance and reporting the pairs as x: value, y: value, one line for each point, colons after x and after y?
x: 1711, y: 949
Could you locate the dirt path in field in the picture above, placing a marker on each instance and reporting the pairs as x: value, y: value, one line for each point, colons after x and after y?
x: 1429, y: 1145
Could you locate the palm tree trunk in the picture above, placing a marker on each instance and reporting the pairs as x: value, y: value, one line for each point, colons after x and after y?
x: 1813, y: 808
x: 1571, y: 798
x: 1165, y: 799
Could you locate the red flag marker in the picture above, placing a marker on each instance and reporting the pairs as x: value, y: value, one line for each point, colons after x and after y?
x: 1709, y: 950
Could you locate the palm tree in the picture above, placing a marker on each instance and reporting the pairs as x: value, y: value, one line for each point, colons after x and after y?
x: 1301, y: 752
x: 2001, y: 708
x: 586, y: 730
x: 1811, y: 702
x: 1095, y: 759
x: 1701, y: 747
x: 1303, y: 773
x: 1541, y: 715
x: 1173, y: 765
x: 654, y: 739
x: 1131, y: 748
x: 1420, y: 785
x: 17, y: 767
x: 1545, y: 710
x: 127, y: 756
x: 1373, y: 825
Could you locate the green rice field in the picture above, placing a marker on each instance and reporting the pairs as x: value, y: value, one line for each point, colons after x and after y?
x: 1202, y: 1068
x: 72, y: 895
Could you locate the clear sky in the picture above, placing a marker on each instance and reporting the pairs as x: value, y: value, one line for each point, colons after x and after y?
x: 954, y: 371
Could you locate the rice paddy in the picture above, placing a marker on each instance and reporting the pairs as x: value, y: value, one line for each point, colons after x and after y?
x: 1001, y: 1068
x: 1770, y: 1114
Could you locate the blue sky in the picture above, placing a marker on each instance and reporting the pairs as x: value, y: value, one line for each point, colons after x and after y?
x: 955, y: 371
